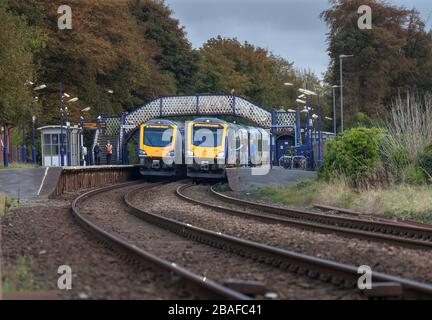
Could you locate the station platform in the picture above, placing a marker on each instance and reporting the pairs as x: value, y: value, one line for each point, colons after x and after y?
x: 26, y: 183
x: 244, y: 179
x: 45, y: 182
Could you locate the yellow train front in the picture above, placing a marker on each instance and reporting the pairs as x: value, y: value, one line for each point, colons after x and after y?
x: 212, y: 145
x: 161, y: 148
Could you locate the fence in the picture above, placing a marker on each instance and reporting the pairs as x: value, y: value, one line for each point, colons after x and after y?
x: 16, y: 154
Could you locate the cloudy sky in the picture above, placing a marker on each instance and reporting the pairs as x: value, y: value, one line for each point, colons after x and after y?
x: 289, y: 28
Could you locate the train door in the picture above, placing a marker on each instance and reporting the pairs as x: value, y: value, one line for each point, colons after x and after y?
x: 265, y: 147
x: 253, y: 146
x: 231, y: 150
x: 244, y: 147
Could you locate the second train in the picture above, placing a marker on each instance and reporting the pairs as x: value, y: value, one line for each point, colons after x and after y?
x: 202, y: 148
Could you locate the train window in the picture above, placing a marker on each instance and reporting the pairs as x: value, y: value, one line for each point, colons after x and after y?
x: 207, y: 136
x: 237, y: 141
x: 260, y: 142
x: 158, y: 137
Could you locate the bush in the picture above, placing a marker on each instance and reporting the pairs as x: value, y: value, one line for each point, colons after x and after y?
x: 359, y: 120
x: 353, y: 154
x: 425, y: 162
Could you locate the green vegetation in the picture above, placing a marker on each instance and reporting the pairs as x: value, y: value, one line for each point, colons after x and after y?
x: 19, y: 277
x: 353, y: 154
x: 18, y: 42
x: 133, y: 47
x: 19, y: 165
x: 394, y: 55
x: 6, y: 203
x: 385, y: 170
x: 401, y: 201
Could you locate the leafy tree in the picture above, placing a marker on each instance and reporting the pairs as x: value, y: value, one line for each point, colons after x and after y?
x: 104, y: 50
x: 394, y: 54
x: 18, y: 42
x: 175, y: 55
x: 251, y: 71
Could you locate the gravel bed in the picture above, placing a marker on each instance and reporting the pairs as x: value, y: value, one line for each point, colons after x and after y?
x: 109, y: 212
x: 44, y: 232
x: 410, y: 263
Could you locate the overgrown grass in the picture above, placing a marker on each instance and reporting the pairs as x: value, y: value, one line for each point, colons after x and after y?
x: 20, y: 277
x: 19, y: 165
x: 409, y: 133
x: 7, y: 203
x: 403, y: 201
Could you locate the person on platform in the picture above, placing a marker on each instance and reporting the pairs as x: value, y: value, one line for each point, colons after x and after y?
x: 84, y: 155
x: 109, y: 151
x: 96, y: 152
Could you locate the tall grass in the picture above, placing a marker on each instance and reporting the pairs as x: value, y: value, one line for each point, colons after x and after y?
x: 409, y: 130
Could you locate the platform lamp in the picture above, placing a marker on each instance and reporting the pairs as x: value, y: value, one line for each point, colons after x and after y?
x: 35, y: 99
x: 68, y: 146
x: 5, y: 146
x: 308, y: 94
x: 62, y: 96
x: 341, y: 57
x: 87, y: 109
x: 334, y: 107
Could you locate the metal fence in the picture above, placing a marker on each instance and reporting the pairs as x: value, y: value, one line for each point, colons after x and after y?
x: 16, y: 154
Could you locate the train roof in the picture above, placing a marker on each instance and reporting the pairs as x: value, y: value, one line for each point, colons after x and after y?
x: 161, y: 121
x: 209, y: 119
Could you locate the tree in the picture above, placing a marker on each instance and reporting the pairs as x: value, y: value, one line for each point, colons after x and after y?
x: 175, y: 55
x: 18, y: 41
x: 227, y: 64
x: 104, y: 50
x: 387, y: 58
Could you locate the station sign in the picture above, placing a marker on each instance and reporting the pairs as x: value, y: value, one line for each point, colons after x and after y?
x: 89, y: 125
x: 128, y: 126
x: 94, y: 124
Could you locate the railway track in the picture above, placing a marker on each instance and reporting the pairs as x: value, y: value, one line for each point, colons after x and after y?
x: 325, y: 270
x: 207, y: 286
x: 392, y: 232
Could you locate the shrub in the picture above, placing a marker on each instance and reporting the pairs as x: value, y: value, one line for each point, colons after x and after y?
x: 353, y: 154
x: 406, y: 151
x: 425, y: 162
x: 359, y: 120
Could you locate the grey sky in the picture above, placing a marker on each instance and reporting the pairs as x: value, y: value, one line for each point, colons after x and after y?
x: 289, y: 28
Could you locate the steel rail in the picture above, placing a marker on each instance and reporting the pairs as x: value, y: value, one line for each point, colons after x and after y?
x: 372, y: 216
x: 326, y: 270
x: 392, y: 232
x: 212, y: 288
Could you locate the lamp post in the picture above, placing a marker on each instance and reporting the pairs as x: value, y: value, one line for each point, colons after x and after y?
x: 61, y: 126
x: 341, y: 57
x: 35, y: 99
x: 34, y: 139
x: 5, y: 146
x: 68, y: 136
x: 334, y: 108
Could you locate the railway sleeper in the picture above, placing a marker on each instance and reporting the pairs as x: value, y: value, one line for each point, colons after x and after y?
x: 385, y: 290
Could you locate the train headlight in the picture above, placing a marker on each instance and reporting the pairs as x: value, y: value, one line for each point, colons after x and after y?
x: 221, y: 154
x: 171, y: 154
x: 190, y: 153
x: 142, y: 154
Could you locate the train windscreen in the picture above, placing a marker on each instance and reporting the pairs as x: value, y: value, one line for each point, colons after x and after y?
x: 158, y: 136
x: 207, y: 135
